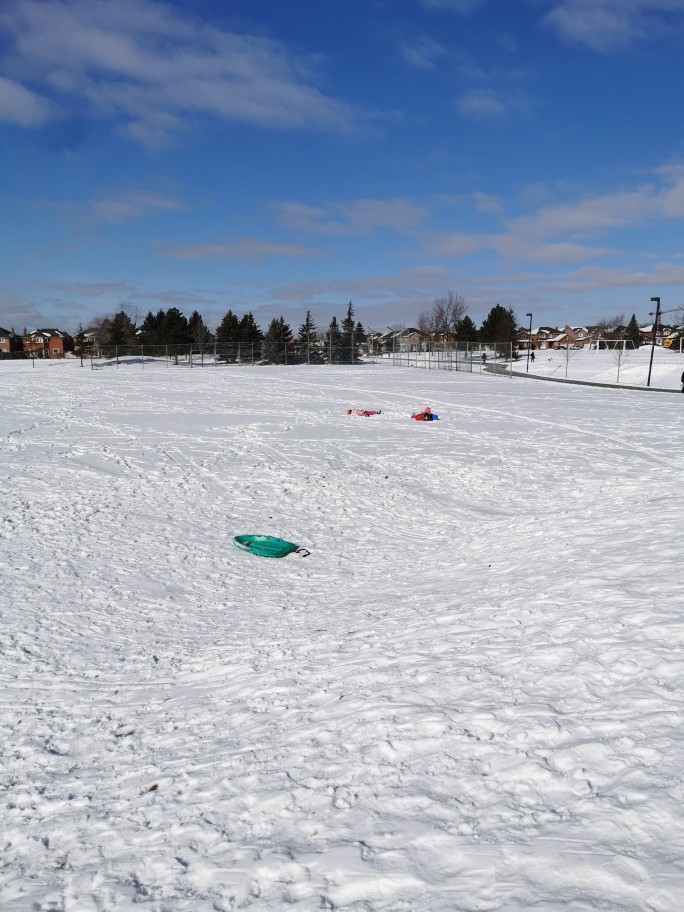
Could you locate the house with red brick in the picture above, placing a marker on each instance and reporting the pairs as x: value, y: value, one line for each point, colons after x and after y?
x: 47, y: 343
x: 10, y: 342
x: 577, y: 336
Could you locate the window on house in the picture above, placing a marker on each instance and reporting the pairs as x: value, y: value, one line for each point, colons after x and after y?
x: 55, y: 351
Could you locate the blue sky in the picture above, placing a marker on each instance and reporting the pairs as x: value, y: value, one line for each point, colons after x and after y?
x: 278, y: 157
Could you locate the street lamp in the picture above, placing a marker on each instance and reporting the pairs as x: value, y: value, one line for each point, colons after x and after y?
x: 529, y: 345
x: 655, y: 330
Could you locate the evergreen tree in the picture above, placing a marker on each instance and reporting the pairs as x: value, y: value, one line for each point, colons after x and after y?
x: 176, y: 331
x: 466, y: 331
x: 306, y: 336
x: 277, y: 341
x: 360, y: 333
x: 152, y: 329
x: 80, y: 345
x: 348, y: 340
x: 499, y: 325
x: 333, y: 342
x: 250, y: 337
x: 121, y: 330
x: 197, y: 329
x: 632, y: 333
x: 227, y: 337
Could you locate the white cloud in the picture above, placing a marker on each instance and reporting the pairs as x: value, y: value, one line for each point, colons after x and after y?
x: 484, y: 202
x: 359, y: 217
x: 551, y: 234
x: 595, y: 278
x: 98, y: 289
x: 129, y: 205
x: 514, y: 248
x: 153, y: 67
x: 605, y: 25
x: 453, y: 6
x: 460, y: 243
x: 422, y: 53
x: 484, y: 103
x: 417, y: 284
x: 616, y: 210
x: 244, y: 248
x: 118, y: 207
x: 18, y: 105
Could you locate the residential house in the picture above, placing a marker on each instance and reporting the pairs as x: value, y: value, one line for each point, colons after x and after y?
x: 47, y: 343
x: 646, y: 334
x: 10, y: 343
x: 406, y: 340
x: 548, y: 337
x: 578, y: 336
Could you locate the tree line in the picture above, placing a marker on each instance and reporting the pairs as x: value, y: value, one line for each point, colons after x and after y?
x: 446, y: 320
x: 234, y: 335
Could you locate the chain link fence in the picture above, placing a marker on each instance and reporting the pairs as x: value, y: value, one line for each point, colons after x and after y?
x: 455, y: 356
x: 211, y: 354
x: 493, y: 357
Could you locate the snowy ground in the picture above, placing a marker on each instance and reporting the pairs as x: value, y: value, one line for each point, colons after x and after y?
x: 467, y: 698
x: 628, y: 367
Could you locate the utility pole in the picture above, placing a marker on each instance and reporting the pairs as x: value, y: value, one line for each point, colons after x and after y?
x: 655, y: 330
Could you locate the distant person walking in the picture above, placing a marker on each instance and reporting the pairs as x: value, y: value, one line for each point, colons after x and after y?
x: 532, y: 357
x: 683, y: 381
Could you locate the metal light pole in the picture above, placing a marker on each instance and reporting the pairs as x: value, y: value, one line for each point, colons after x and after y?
x: 655, y: 330
x: 529, y: 345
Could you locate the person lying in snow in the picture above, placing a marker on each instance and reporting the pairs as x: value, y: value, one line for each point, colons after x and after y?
x: 425, y: 415
x: 364, y: 412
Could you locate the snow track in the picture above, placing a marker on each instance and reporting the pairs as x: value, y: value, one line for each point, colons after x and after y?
x: 467, y: 698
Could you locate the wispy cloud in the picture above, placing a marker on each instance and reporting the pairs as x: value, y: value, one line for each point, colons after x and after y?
x: 556, y: 234
x: 97, y: 289
x: 614, y: 210
x: 422, y: 52
x: 481, y: 103
x: 418, y: 283
x: 606, y: 25
x: 17, y: 312
x: 462, y: 7
x: 598, y: 278
x: 358, y: 217
x: 516, y: 249
x: 118, y: 207
x: 493, y: 103
x: 131, y: 204
x: 244, y: 248
x: 485, y: 202
x: 21, y: 106
x: 154, y: 68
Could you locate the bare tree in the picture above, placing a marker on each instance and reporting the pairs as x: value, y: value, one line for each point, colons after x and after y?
x: 426, y: 323
x: 567, y: 354
x: 619, y: 353
x: 447, y: 312
x: 100, y: 328
x: 612, y: 328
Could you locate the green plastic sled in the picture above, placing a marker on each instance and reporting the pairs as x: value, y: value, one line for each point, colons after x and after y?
x: 266, y: 545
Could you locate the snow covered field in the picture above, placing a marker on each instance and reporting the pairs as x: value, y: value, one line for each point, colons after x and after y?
x: 628, y: 367
x: 468, y: 697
